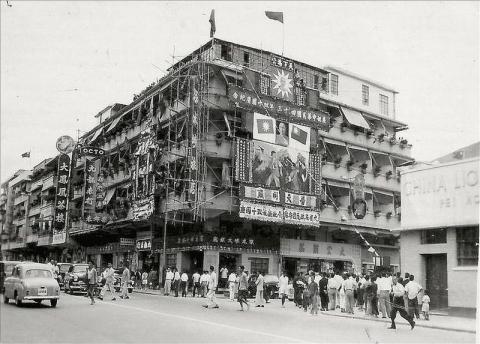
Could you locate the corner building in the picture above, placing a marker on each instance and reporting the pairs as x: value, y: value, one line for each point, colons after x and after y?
x: 243, y: 157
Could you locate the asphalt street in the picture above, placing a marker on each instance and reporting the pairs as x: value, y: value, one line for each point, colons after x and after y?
x: 152, y: 318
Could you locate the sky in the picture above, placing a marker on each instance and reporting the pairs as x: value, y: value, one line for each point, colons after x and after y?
x: 63, y: 62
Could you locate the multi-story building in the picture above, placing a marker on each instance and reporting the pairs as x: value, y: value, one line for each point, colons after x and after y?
x: 239, y: 156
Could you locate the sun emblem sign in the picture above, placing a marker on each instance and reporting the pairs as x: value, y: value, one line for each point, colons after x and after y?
x: 283, y: 83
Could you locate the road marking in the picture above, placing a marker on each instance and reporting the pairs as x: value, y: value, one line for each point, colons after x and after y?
x: 181, y: 317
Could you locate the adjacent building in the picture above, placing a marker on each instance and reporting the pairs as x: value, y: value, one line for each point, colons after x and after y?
x: 439, y: 235
x: 238, y: 156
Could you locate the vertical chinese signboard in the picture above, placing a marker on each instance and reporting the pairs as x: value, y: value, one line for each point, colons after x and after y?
x: 93, y: 203
x: 61, y: 203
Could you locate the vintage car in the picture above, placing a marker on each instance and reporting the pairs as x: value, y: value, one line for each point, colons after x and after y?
x: 270, y: 286
x: 31, y: 281
x: 62, y: 271
x: 75, y: 279
x: 6, y: 268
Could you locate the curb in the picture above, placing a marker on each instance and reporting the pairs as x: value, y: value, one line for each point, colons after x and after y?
x: 388, y: 321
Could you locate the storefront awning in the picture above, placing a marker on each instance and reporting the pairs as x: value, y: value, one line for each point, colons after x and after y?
x: 114, y: 123
x: 109, y: 196
x: 333, y: 142
x: 96, y: 135
x: 355, y: 118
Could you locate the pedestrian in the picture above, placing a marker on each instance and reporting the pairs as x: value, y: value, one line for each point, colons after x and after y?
x: 405, y: 280
x: 384, y: 288
x: 223, y: 277
x: 283, y: 287
x: 231, y: 285
x: 341, y: 292
x: 138, y: 279
x: 313, y: 291
x: 168, y: 281
x: 349, y: 288
x: 426, y: 305
x: 109, y: 275
x: 323, y: 291
x: 412, y: 288
x: 368, y: 295
x: 306, y: 296
x: 196, y: 284
x: 212, y: 287
x: 242, y: 287
x: 298, y: 286
x: 339, y: 281
x: 144, y: 279
x: 176, y: 281
x: 374, y: 296
x: 92, y: 281
x: 259, y: 293
x: 332, y: 292
x: 360, y: 291
x: 125, y: 281
x: 398, y: 304
x: 184, y: 283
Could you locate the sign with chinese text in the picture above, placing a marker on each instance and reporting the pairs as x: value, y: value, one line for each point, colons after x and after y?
x: 94, y: 211
x: 144, y: 245
x: 301, y: 217
x: 261, y: 194
x: 261, y: 212
x: 243, y: 160
x: 61, y: 196
x: 282, y: 110
x: 143, y: 208
x: 127, y: 242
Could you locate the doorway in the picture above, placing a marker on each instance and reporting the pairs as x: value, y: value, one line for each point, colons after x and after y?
x: 229, y: 260
x: 436, y: 280
x: 196, y: 261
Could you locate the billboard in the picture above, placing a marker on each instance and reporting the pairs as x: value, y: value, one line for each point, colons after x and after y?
x: 440, y: 196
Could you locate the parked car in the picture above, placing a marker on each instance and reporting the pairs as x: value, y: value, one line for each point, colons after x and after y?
x: 31, y: 281
x: 6, y: 268
x: 63, y: 269
x: 75, y: 279
x: 270, y: 286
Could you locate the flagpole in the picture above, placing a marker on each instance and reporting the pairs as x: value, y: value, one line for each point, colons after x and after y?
x: 283, y: 38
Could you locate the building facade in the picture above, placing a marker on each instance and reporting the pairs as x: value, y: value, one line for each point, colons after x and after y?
x: 439, y: 235
x: 239, y: 156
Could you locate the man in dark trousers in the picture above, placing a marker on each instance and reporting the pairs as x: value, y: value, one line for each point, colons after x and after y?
x: 323, y: 292
x: 399, y: 305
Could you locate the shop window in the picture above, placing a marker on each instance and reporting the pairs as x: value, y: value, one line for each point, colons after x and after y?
x: 467, y: 246
x: 172, y: 260
x: 226, y: 52
x: 259, y: 265
x: 433, y: 236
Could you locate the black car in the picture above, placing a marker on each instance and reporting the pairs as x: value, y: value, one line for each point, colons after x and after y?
x: 270, y: 286
x: 62, y: 271
x: 75, y: 279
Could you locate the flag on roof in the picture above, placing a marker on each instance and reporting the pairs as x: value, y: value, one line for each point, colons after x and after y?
x: 213, y: 28
x: 275, y: 16
x: 26, y: 155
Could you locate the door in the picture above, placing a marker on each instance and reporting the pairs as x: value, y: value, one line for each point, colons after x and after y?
x: 436, y: 280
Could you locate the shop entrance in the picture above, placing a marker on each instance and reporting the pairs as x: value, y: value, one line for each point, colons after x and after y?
x: 230, y: 260
x: 107, y: 258
x: 290, y: 266
x: 436, y: 280
x: 196, y: 261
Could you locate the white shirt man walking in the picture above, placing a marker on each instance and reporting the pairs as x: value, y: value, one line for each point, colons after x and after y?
x: 259, y: 295
x: 125, y: 281
x: 108, y: 274
x: 231, y: 285
x: 412, y: 289
x: 196, y: 283
x: 212, y: 286
x: 168, y: 282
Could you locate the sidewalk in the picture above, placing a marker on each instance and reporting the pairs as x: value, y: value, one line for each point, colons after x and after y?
x: 443, y: 322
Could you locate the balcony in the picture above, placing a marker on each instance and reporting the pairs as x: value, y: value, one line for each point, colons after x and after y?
x: 48, y: 182
x: 44, y: 240
x: 19, y: 221
x: 381, y: 221
x: 341, y: 173
x: 34, y: 210
x: 32, y: 238
x: 47, y: 210
x: 372, y: 142
x: 21, y: 198
x: 16, y: 244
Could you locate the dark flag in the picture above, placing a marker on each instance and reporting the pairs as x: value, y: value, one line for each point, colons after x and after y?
x: 213, y: 28
x: 26, y: 155
x: 275, y: 16
x: 299, y: 135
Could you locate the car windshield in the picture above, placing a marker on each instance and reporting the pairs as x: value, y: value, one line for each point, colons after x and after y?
x: 80, y: 268
x: 38, y: 273
x: 64, y: 267
x: 9, y: 269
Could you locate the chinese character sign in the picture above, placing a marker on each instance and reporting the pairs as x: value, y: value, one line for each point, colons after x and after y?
x: 93, y: 201
x: 61, y: 192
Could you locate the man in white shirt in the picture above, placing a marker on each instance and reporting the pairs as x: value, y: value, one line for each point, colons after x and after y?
x: 259, y: 294
x: 196, y: 283
x: 332, y: 287
x: 412, y: 289
x: 339, y: 281
x: 283, y: 287
x: 176, y: 281
x: 204, y: 283
x: 384, y: 288
x: 108, y: 274
x: 231, y: 285
x: 398, y: 304
x: 168, y: 281
x: 318, y: 277
x: 184, y: 283
x: 223, y: 277
x: 212, y: 286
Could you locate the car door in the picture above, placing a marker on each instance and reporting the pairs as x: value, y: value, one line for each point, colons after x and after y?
x: 10, y: 283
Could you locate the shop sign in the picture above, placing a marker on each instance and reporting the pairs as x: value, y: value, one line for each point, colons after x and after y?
x: 300, y: 200
x: 249, y: 100
x: 91, y: 151
x: 143, y: 208
x: 127, y: 242
x: 359, y: 186
x: 261, y: 212
x: 144, y: 244
x: 43, y: 240
x: 301, y: 217
x: 441, y: 195
x: 94, y: 194
x: 318, y: 249
x: 65, y: 144
x: 59, y: 238
x: 261, y: 194
x: 61, y: 197
x: 359, y: 207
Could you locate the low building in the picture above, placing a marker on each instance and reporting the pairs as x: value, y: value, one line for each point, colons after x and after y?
x: 439, y: 232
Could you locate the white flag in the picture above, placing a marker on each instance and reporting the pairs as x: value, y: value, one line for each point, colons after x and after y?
x: 263, y: 128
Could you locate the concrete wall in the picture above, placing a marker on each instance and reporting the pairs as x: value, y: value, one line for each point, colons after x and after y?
x: 462, y: 281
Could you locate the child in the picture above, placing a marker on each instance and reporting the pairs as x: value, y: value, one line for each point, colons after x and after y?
x: 426, y: 306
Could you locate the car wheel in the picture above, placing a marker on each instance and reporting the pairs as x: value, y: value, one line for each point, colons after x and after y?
x: 38, y: 301
x: 5, y: 299
x: 53, y: 303
x: 18, y: 301
x: 130, y: 290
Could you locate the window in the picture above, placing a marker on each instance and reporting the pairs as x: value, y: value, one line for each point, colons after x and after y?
x: 171, y: 260
x: 433, y: 236
x: 246, y: 59
x: 259, y: 265
x: 37, y: 273
x: 265, y: 84
x: 383, y: 105
x: 467, y: 246
x: 226, y: 52
x: 365, y: 95
x: 316, y: 81
x: 334, y: 84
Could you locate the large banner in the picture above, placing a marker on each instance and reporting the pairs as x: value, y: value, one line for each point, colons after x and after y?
x: 280, y: 167
x: 94, y: 211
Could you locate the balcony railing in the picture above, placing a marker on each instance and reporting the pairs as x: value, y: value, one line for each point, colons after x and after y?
x: 329, y: 215
x: 21, y: 198
x: 48, y: 182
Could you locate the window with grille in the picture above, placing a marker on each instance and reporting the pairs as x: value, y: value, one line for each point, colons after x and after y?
x: 334, y: 84
x: 300, y: 96
x: 265, y: 84
x: 433, y: 236
x: 365, y: 95
x: 259, y: 265
x: 383, y: 105
x: 467, y: 246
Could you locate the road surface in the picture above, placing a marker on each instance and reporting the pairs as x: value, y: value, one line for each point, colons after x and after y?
x: 160, y: 319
